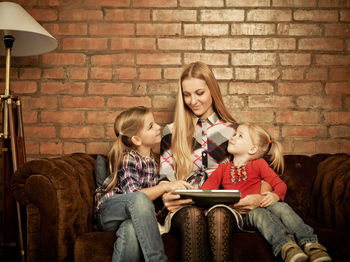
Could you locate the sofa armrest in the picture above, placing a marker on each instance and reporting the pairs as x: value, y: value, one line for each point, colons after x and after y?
x: 58, y: 195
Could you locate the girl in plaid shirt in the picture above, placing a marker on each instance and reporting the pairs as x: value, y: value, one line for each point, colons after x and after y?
x: 124, y: 201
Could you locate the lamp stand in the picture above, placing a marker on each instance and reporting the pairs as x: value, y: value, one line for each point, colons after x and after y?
x: 13, y: 141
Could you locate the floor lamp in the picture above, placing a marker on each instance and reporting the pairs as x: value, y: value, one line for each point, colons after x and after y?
x: 22, y: 35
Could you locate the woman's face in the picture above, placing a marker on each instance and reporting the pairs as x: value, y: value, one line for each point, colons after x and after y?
x: 197, y: 97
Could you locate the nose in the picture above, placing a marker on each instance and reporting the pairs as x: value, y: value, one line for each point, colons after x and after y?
x: 157, y: 126
x: 193, y: 99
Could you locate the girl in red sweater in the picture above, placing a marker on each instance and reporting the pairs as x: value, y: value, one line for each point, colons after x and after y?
x: 275, y: 220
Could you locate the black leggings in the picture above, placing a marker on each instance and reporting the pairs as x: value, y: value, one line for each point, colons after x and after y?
x: 198, y: 232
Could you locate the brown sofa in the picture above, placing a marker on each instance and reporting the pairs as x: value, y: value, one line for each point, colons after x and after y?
x: 58, y: 197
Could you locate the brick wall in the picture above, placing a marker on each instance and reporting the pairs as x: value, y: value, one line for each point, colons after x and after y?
x: 284, y: 64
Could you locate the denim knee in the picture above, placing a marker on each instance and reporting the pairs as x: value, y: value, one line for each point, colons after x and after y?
x: 256, y: 216
x: 142, y: 202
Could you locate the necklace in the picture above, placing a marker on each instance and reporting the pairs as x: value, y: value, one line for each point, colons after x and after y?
x: 238, y: 173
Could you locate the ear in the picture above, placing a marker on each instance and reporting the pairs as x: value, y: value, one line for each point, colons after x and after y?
x: 253, y: 150
x: 136, y: 140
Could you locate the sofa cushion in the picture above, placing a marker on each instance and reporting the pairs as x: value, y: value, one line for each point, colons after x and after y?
x: 101, y: 170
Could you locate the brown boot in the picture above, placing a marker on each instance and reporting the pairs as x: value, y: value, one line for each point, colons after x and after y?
x: 316, y: 252
x: 291, y: 252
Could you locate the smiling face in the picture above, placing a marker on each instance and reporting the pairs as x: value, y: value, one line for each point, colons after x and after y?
x: 240, y: 143
x: 197, y: 97
x: 150, y: 134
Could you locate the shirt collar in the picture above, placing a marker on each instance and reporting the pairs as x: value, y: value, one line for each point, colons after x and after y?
x: 212, y: 119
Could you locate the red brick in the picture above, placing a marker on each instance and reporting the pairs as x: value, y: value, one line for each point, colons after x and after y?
x: 54, y: 73
x: 332, y: 60
x: 180, y: 44
x: 247, y: 3
x: 333, y: 3
x: 109, y: 3
x: 66, y: 88
x: 32, y: 147
x: 84, y: 43
x: 40, y: 132
x: 158, y: 29
x: 339, y: 131
x: 251, y: 59
x: 29, y: 117
x: 269, y: 73
x: 126, y: 102
x: 133, y: 44
x: 163, y: 102
x: 297, y: 117
x: 78, y: 73
x: 337, y: 29
x: 113, y: 59
x: 329, y: 102
x: 82, y: 102
x: 58, y: 59
x: 163, y: 117
x: 202, y: 3
x: 168, y: 89
x: 23, y: 87
x: 250, y: 88
x: 345, y: 15
x: 222, y: 15
x: 107, y: 28
x: 42, y: 15
x: 208, y: 58
x: 339, y: 74
x: 99, y: 88
x: 316, y: 73
x: 70, y: 29
x: 155, y: 3
x: 340, y: 88
x: 294, y: 3
x: 254, y: 116
x: 150, y: 73
x: 335, y: 118
x: 101, y: 73
x: 325, y: 44
x: 299, y: 88
x: 97, y: 148
x: 293, y: 74
x: 67, y: 117
x: 102, y: 117
x: 227, y: 44
x: 345, y: 146
x: 304, y: 131
x: 125, y: 73
x: 30, y: 73
x: 296, y: 29
x: 253, y: 29
x: 222, y: 73
x: 73, y: 147
x: 42, y: 102
x: 295, y: 59
x: 206, y: 29
x: 269, y: 15
x: 126, y: 15
x: 174, y: 15
x: 172, y: 73
x: 81, y: 132
x: 159, y: 59
x: 80, y: 15
x: 326, y: 146
x: 266, y: 101
x: 273, y: 44
x: 304, y: 147
x: 51, y: 148
x: 316, y: 15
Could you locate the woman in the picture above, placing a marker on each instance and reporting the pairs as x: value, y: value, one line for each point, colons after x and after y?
x: 191, y: 149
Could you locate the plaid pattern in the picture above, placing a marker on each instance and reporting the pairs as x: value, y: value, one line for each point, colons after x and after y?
x: 136, y: 172
x: 209, y: 149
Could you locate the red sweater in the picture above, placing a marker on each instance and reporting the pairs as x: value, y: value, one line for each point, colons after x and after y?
x: 256, y: 170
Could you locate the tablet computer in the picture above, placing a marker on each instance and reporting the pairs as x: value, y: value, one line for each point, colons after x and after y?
x: 210, y: 197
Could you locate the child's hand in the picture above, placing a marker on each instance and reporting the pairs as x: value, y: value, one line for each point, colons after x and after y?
x: 179, y: 184
x: 269, y: 199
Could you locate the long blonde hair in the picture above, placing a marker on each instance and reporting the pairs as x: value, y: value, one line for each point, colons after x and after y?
x: 126, y: 125
x: 266, y: 146
x: 184, y: 126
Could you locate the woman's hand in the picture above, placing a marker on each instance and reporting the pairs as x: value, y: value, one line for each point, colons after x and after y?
x: 178, y: 184
x: 269, y: 198
x: 173, y: 202
x: 248, y: 203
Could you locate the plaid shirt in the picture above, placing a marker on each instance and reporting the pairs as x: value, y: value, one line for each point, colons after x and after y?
x: 209, y: 149
x: 136, y: 172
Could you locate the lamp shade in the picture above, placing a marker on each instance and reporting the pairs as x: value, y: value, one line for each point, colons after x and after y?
x: 30, y: 37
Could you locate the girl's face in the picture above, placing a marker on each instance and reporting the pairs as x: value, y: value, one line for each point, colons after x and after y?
x: 150, y: 133
x: 240, y: 143
x: 197, y: 97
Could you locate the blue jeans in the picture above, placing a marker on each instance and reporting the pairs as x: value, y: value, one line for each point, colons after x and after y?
x: 133, y: 218
x: 279, y: 224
